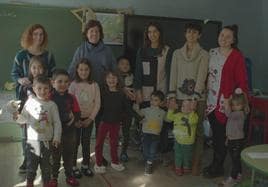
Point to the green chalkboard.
(64, 33)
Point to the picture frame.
(113, 27)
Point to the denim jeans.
(150, 145)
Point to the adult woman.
(100, 56)
(227, 72)
(152, 64)
(187, 80)
(152, 73)
(94, 50)
(34, 41)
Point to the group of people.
(169, 89)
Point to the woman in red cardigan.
(227, 72)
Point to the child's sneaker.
(187, 170)
(124, 157)
(29, 184)
(76, 173)
(53, 183)
(229, 182)
(22, 168)
(86, 171)
(46, 184)
(104, 162)
(148, 168)
(118, 167)
(178, 171)
(99, 169)
(72, 181)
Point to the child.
(123, 66)
(36, 68)
(113, 105)
(43, 126)
(235, 134)
(151, 128)
(69, 115)
(87, 93)
(185, 123)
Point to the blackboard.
(173, 29)
(64, 33)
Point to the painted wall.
(248, 14)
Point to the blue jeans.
(150, 145)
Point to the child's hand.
(24, 81)
(139, 97)
(130, 93)
(193, 105)
(15, 115)
(55, 143)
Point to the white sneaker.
(118, 167)
(99, 169)
(229, 182)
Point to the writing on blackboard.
(7, 14)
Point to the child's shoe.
(124, 157)
(148, 168)
(104, 162)
(46, 184)
(187, 170)
(229, 182)
(86, 171)
(22, 168)
(72, 181)
(29, 183)
(179, 171)
(53, 183)
(118, 167)
(76, 173)
(99, 169)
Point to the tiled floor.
(11, 157)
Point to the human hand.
(226, 105)
(15, 115)
(139, 97)
(55, 143)
(24, 81)
(86, 122)
(193, 105)
(130, 93)
(78, 124)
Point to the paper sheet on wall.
(258, 155)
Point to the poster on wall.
(113, 27)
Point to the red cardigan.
(234, 75)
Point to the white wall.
(248, 14)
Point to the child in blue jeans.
(151, 128)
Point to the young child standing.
(151, 128)
(185, 124)
(36, 68)
(123, 66)
(87, 93)
(113, 105)
(235, 134)
(43, 128)
(69, 115)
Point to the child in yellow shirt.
(185, 123)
